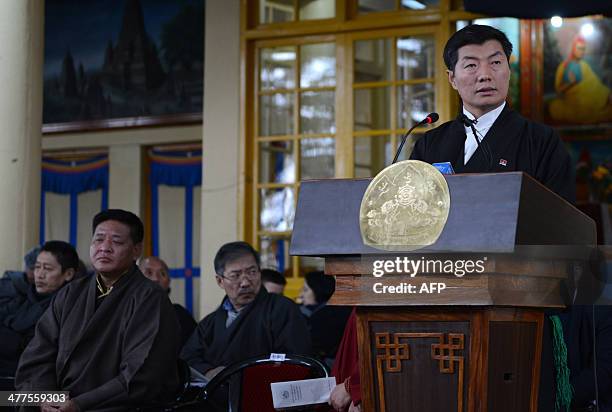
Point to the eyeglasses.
(251, 273)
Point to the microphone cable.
(485, 146)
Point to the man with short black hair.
(273, 281)
(487, 135)
(55, 264)
(250, 321)
(109, 338)
(14, 282)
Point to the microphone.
(431, 118)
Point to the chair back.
(256, 395)
(256, 375)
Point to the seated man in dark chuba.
(249, 322)
(110, 340)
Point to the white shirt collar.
(482, 126)
(487, 119)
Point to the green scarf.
(564, 390)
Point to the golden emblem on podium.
(405, 207)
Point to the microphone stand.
(404, 137)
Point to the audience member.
(157, 270)
(346, 395)
(249, 322)
(29, 261)
(55, 265)
(316, 291)
(325, 322)
(273, 281)
(15, 282)
(110, 340)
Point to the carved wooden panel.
(510, 369)
(424, 359)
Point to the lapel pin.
(503, 162)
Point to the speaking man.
(487, 135)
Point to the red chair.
(245, 386)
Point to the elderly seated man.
(249, 322)
(157, 270)
(109, 340)
(55, 264)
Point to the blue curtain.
(178, 169)
(71, 178)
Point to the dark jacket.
(270, 324)
(20, 308)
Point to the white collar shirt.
(482, 126)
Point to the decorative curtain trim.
(179, 169)
(71, 178)
(65, 177)
(176, 168)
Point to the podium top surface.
(491, 213)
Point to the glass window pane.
(414, 103)
(317, 9)
(276, 162)
(368, 6)
(372, 60)
(372, 154)
(419, 4)
(276, 114)
(372, 109)
(317, 158)
(274, 253)
(275, 11)
(277, 68)
(318, 65)
(317, 112)
(415, 58)
(277, 209)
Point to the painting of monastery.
(109, 59)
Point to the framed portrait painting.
(577, 74)
(122, 63)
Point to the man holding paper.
(249, 322)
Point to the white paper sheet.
(299, 393)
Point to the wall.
(124, 150)
(221, 148)
(126, 191)
(220, 222)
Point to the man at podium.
(487, 135)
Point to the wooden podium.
(476, 345)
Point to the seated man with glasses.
(250, 321)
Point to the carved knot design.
(445, 352)
(394, 353)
